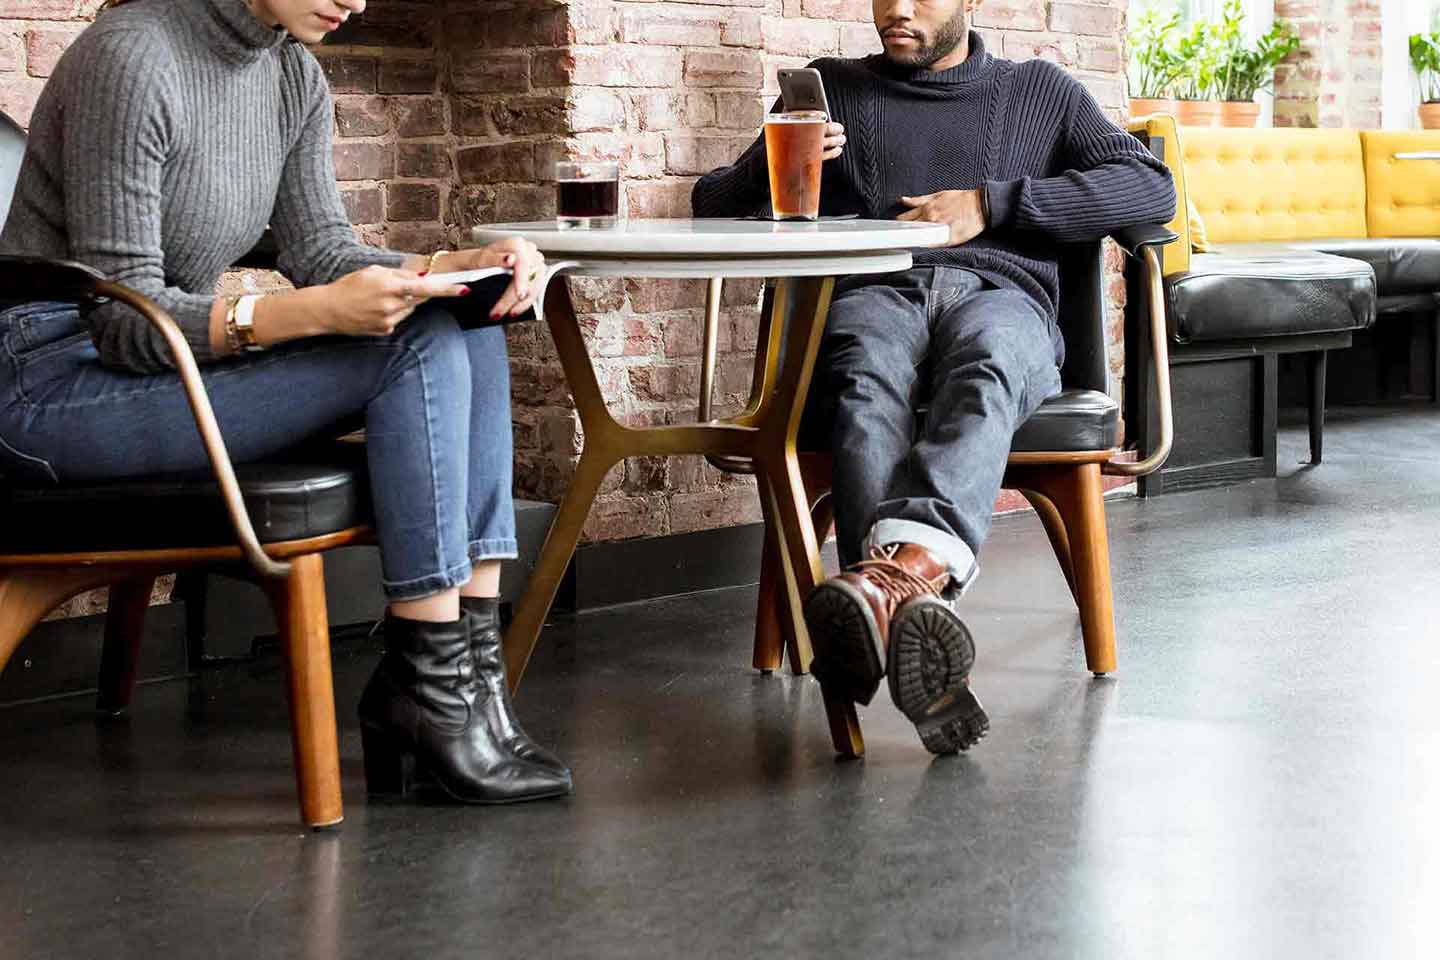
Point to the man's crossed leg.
(913, 503)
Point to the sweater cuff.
(1002, 197)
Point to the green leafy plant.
(1425, 58)
(1246, 70)
(1155, 67)
(1201, 50)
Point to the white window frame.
(1400, 93)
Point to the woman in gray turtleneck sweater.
(170, 135)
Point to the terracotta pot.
(1145, 106)
(1198, 113)
(1239, 113)
(1430, 116)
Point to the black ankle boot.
(428, 710)
(483, 616)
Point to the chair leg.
(299, 603)
(124, 629)
(1079, 498)
(26, 596)
(769, 638)
(1059, 539)
(1317, 404)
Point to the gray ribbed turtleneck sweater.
(170, 134)
(1028, 134)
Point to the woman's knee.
(432, 339)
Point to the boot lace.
(893, 580)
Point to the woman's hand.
(373, 301)
(521, 257)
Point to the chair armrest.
(1134, 239)
(32, 278)
(1148, 249)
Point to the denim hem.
(956, 553)
(427, 586)
(503, 548)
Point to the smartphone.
(803, 89)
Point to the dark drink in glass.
(587, 195)
(794, 143)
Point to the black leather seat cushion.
(1074, 420)
(1267, 290)
(1402, 264)
(293, 497)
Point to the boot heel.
(389, 770)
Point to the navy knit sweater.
(1052, 165)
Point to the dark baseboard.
(62, 657)
(630, 571)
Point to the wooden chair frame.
(1064, 487)
(292, 572)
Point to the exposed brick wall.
(451, 112)
(1335, 79)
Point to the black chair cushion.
(1402, 264)
(1267, 290)
(292, 497)
(1074, 420)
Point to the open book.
(487, 286)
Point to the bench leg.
(124, 629)
(1316, 373)
(299, 603)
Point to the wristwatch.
(240, 325)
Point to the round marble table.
(805, 259)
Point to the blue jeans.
(979, 357)
(434, 400)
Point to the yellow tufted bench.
(1311, 234)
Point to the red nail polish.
(464, 291)
(509, 259)
(423, 273)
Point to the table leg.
(783, 487)
(603, 449)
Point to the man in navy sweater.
(1013, 157)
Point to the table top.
(728, 239)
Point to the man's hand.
(834, 143)
(960, 210)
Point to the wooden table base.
(764, 433)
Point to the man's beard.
(928, 51)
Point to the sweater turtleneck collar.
(231, 30)
(975, 67)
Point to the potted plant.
(1425, 59)
(1154, 67)
(1244, 70)
(1200, 50)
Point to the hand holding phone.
(803, 89)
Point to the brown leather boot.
(886, 615)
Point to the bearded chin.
(947, 38)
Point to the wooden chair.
(58, 541)
(1057, 460)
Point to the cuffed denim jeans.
(981, 358)
(434, 400)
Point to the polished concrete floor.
(1260, 779)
